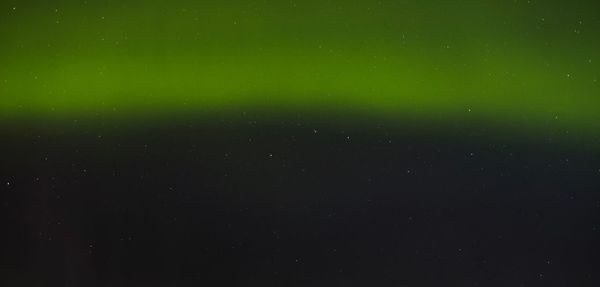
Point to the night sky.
(299, 143)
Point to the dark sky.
(295, 202)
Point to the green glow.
(522, 63)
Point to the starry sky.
(299, 143)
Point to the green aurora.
(531, 65)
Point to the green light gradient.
(529, 64)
